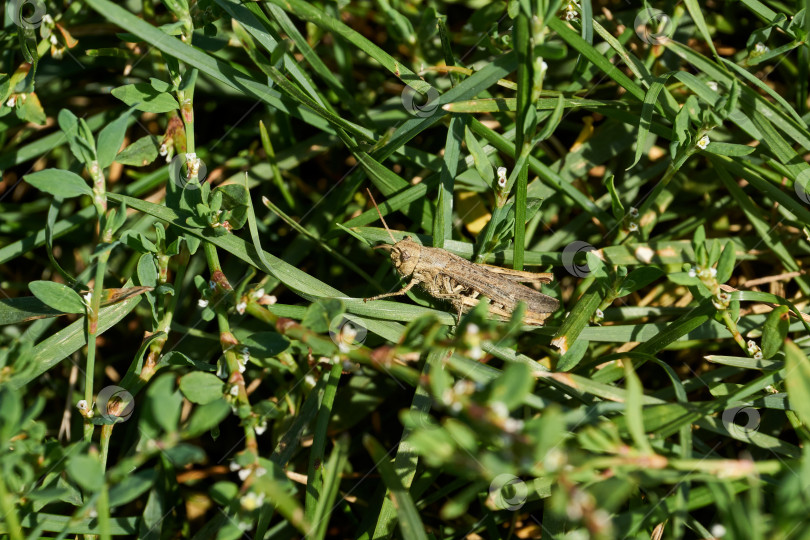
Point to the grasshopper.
(448, 277)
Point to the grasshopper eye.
(405, 256)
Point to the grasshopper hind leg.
(401, 292)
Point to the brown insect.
(448, 277)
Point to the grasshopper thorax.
(405, 255)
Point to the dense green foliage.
(186, 241)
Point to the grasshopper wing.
(502, 289)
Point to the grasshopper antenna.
(394, 240)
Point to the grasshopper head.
(405, 255)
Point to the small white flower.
(713, 272)
(512, 425)
(692, 272)
(234, 390)
(348, 333)
(500, 409)
(261, 428)
(244, 356)
(193, 163)
(241, 307)
(712, 85)
(53, 40)
(600, 314)
(243, 474)
(202, 302)
(251, 501)
(758, 355)
(633, 212)
(88, 297)
(632, 226)
(463, 386)
(502, 177)
(257, 294)
(472, 328)
(761, 48)
(11, 101)
(234, 466)
(163, 149)
(82, 405)
(475, 353)
(718, 531)
(554, 460)
(47, 20)
(259, 472)
(222, 373)
(703, 142)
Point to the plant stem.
(105, 236)
(523, 46)
(9, 512)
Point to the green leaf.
(131, 487)
(86, 471)
(206, 417)
(12, 408)
(143, 97)
(59, 182)
(480, 159)
(645, 120)
(58, 296)
(512, 387)
(75, 130)
(729, 149)
(725, 266)
(798, 383)
(201, 388)
(266, 344)
(775, 331)
(615, 201)
(163, 406)
(410, 524)
(140, 153)
(111, 138)
(634, 408)
(29, 109)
